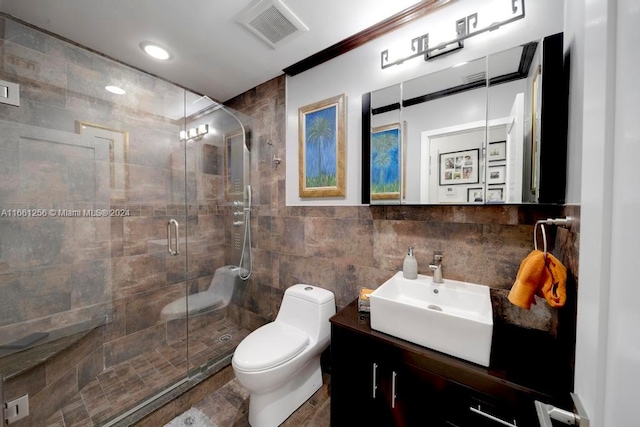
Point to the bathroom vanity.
(380, 380)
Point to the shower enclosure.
(112, 206)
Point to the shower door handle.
(173, 224)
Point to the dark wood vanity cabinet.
(369, 387)
(379, 380)
(354, 401)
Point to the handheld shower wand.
(247, 198)
(246, 241)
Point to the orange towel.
(537, 277)
(528, 280)
(554, 287)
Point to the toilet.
(223, 283)
(279, 363)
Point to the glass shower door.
(144, 347)
(113, 210)
(89, 181)
(217, 173)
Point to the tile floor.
(229, 407)
(126, 384)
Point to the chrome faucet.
(436, 267)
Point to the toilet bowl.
(224, 281)
(279, 363)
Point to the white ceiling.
(212, 53)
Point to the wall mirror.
(487, 131)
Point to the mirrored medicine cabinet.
(488, 131)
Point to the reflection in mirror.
(484, 131)
(508, 158)
(446, 120)
(386, 139)
(527, 92)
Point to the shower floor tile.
(123, 386)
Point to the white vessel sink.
(452, 317)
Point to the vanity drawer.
(471, 408)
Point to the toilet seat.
(268, 346)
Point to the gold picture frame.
(321, 148)
(118, 156)
(535, 131)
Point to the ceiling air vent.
(272, 22)
(475, 77)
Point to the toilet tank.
(308, 308)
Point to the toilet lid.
(269, 346)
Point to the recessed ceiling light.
(115, 89)
(155, 51)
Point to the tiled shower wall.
(346, 248)
(55, 272)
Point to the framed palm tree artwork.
(385, 162)
(321, 148)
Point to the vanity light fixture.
(506, 12)
(155, 51)
(194, 133)
(115, 90)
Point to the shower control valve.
(238, 203)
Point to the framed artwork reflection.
(233, 166)
(459, 167)
(495, 195)
(385, 162)
(497, 151)
(475, 195)
(535, 127)
(118, 141)
(496, 174)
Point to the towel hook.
(560, 222)
(544, 237)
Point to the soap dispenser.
(410, 266)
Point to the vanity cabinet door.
(359, 392)
(420, 397)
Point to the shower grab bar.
(177, 237)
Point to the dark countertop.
(527, 360)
